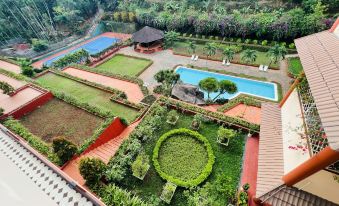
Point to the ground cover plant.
(86, 94)
(294, 66)
(57, 118)
(227, 160)
(124, 65)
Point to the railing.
(316, 135)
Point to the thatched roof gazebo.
(188, 93)
(148, 40)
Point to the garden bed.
(57, 118)
(295, 67)
(124, 65)
(86, 94)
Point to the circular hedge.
(184, 166)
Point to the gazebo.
(148, 40)
(188, 93)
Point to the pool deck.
(167, 60)
(10, 67)
(123, 37)
(132, 90)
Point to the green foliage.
(26, 68)
(228, 53)
(243, 198)
(172, 117)
(264, 43)
(141, 165)
(249, 56)
(291, 46)
(246, 187)
(91, 169)
(64, 149)
(240, 99)
(295, 67)
(6, 88)
(39, 45)
(170, 38)
(197, 121)
(225, 135)
(209, 85)
(167, 78)
(210, 49)
(277, 53)
(192, 47)
(168, 192)
(226, 86)
(186, 173)
(1, 111)
(76, 57)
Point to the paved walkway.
(11, 81)
(103, 152)
(249, 113)
(166, 60)
(10, 67)
(132, 90)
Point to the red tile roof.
(319, 55)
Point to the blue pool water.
(260, 89)
(92, 47)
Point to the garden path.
(132, 90)
(10, 67)
(103, 152)
(167, 60)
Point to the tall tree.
(249, 56)
(276, 53)
(209, 85)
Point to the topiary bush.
(6, 88)
(140, 166)
(225, 135)
(168, 192)
(64, 149)
(175, 165)
(92, 169)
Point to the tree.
(170, 38)
(39, 45)
(192, 47)
(167, 78)
(249, 56)
(228, 54)
(26, 68)
(91, 169)
(226, 86)
(210, 49)
(225, 135)
(209, 85)
(276, 53)
(6, 88)
(64, 149)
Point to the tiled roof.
(291, 196)
(48, 179)
(319, 55)
(271, 161)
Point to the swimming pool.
(92, 47)
(266, 90)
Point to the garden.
(294, 66)
(175, 158)
(124, 65)
(86, 94)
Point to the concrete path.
(132, 90)
(166, 60)
(10, 67)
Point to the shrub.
(247, 41)
(239, 40)
(116, 16)
(203, 36)
(243, 199)
(255, 41)
(91, 169)
(291, 46)
(131, 17)
(184, 34)
(39, 45)
(168, 192)
(202, 175)
(113, 195)
(225, 135)
(124, 16)
(283, 44)
(172, 117)
(196, 122)
(246, 187)
(64, 149)
(264, 43)
(1, 111)
(6, 88)
(236, 48)
(140, 166)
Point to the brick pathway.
(10, 67)
(166, 60)
(103, 152)
(132, 90)
(249, 113)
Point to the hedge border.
(205, 172)
(8, 60)
(13, 75)
(244, 99)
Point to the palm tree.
(249, 56)
(228, 54)
(276, 53)
(226, 86)
(210, 50)
(192, 47)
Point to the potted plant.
(242, 198)
(172, 117)
(246, 187)
(196, 122)
(140, 166)
(168, 192)
(225, 135)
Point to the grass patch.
(86, 94)
(124, 65)
(295, 67)
(74, 124)
(228, 161)
(182, 48)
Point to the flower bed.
(180, 157)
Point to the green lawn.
(294, 66)
(124, 65)
(228, 161)
(182, 48)
(88, 94)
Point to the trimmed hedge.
(240, 99)
(205, 172)
(9, 60)
(13, 75)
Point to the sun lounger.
(261, 67)
(265, 68)
(192, 58)
(228, 63)
(196, 58)
(223, 62)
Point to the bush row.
(34, 141)
(13, 75)
(205, 172)
(216, 115)
(9, 60)
(240, 99)
(116, 76)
